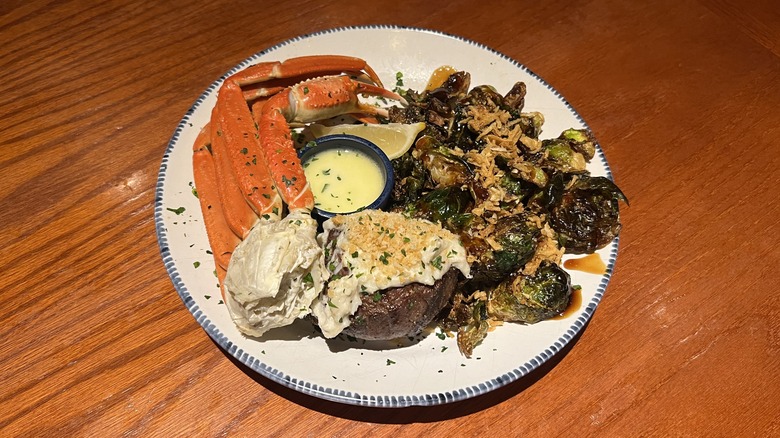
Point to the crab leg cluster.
(245, 165)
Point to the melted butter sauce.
(343, 180)
(591, 263)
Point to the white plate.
(428, 370)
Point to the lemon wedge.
(393, 138)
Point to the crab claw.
(322, 98)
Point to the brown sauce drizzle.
(591, 264)
(574, 305)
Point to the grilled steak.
(401, 311)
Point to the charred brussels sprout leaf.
(515, 98)
(468, 316)
(586, 216)
(471, 334)
(410, 179)
(518, 239)
(515, 186)
(530, 299)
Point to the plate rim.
(337, 395)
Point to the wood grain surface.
(682, 95)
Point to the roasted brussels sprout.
(518, 239)
(562, 157)
(531, 123)
(530, 299)
(444, 168)
(580, 140)
(586, 215)
(485, 95)
(454, 88)
(522, 171)
(448, 206)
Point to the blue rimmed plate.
(427, 370)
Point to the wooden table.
(683, 97)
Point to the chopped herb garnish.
(178, 211)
